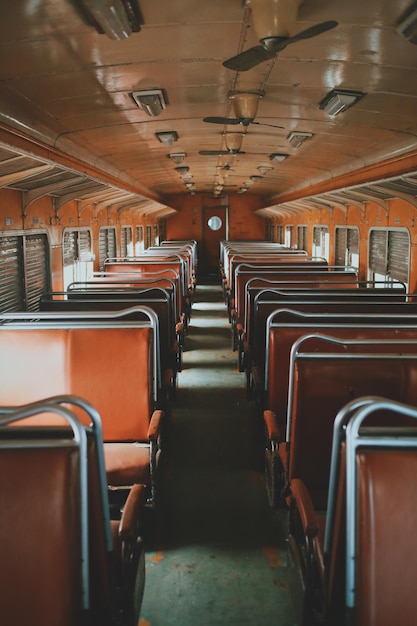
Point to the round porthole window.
(214, 223)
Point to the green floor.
(216, 554)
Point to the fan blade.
(221, 120)
(265, 124)
(258, 54)
(248, 59)
(219, 152)
(313, 31)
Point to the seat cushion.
(127, 463)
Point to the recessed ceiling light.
(339, 100)
(277, 158)
(167, 137)
(151, 101)
(177, 157)
(296, 138)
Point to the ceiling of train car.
(70, 88)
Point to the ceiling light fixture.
(276, 157)
(245, 104)
(339, 100)
(273, 19)
(182, 169)
(255, 178)
(296, 138)
(177, 157)
(407, 25)
(116, 18)
(151, 101)
(233, 141)
(167, 137)
(264, 169)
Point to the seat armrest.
(305, 507)
(155, 425)
(128, 526)
(271, 426)
(239, 328)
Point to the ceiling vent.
(407, 26)
(297, 138)
(118, 19)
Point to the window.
(24, 271)
(321, 242)
(215, 222)
(347, 247)
(78, 255)
(107, 245)
(126, 242)
(279, 237)
(389, 256)
(139, 240)
(148, 240)
(162, 230)
(289, 236)
(269, 230)
(155, 236)
(302, 238)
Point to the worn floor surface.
(216, 554)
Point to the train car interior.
(208, 335)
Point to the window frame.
(29, 274)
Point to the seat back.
(309, 277)
(54, 529)
(371, 523)
(316, 310)
(282, 336)
(144, 267)
(158, 299)
(325, 374)
(381, 488)
(112, 366)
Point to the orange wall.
(398, 214)
(187, 223)
(40, 217)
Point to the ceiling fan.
(245, 106)
(273, 21)
(220, 152)
(226, 168)
(233, 143)
(234, 121)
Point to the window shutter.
(341, 245)
(317, 236)
(353, 240)
(398, 255)
(302, 238)
(111, 243)
(106, 245)
(36, 269)
(11, 288)
(126, 241)
(84, 245)
(70, 247)
(378, 252)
